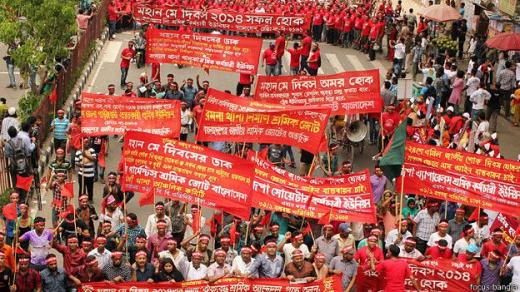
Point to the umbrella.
(440, 13)
(506, 41)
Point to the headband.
(101, 239)
(220, 252)
(372, 238)
(319, 256)
(444, 224)
(159, 206)
(117, 254)
(83, 197)
(60, 151)
(72, 240)
(275, 227)
(271, 244)
(375, 231)
(1, 237)
(23, 206)
(141, 254)
(299, 236)
(258, 228)
(198, 255)
(328, 226)
(347, 249)
(460, 211)
(225, 239)
(51, 260)
(24, 261)
(296, 253)
(246, 250)
(93, 262)
(86, 243)
(39, 223)
(204, 238)
(107, 224)
(499, 233)
(161, 225)
(493, 255)
(410, 241)
(171, 241)
(140, 240)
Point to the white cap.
(494, 136)
(11, 111)
(450, 109)
(440, 109)
(465, 115)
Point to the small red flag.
(101, 155)
(10, 211)
(53, 96)
(325, 219)
(67, 211)
(68, 190)
(147, 198)
(233, 232)
(307, 229)
(24, 182)
(266, 220)
(206, 69)
(195, 223)
(474, 215)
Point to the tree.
(38, 32)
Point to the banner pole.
(243, 149)
(74, 213)
(401, 195)
(312, 166)
(382, 134)
(248, 229)
(82, 167)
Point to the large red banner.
(349, 92)
(209, 51)
(329, 284)
(231, 118)
(217, 19)
(348, 198)
(507, 224)
(463, 177)
(443, 275)
(113, 115)
(187, 172)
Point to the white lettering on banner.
(143, 170)
(172, 176)
(221, 163)
(266, 288)
(358, 105)
(229, 193)
(136, 144)
(361, 80)
(219, 131)
(295, 197)
(258, 186)
(306, 84)
(154, 147)
(336, 83)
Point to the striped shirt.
(61, 126)
(85, 169)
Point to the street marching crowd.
(438, 212)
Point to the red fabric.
(67, 211)
(317, 19)
(474, 215)
(232, 233)
(456, 125)
(24, 182)
(269, 57)
(366, 29)
(365, 279)
(156, 72)
(266, 219)
(313, 61)
(279, 46)
(112, 14)
(295, 57)
(53, 96)
(102, 152)
(68, 190)
(307, 229)
(306, 46)
(325, 219)
(10, 211)
(129, 53)
(195, 225)
(435, 252)
(490, 246)
(245, 79)
(147, 198)
(476, 266)
(394, 271)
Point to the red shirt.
(112, 14)
(394, 271)
(358, 24)
(295, 57)
(269, 57)
(435, 252)
(317, 19)
(366, 28)
(127, 52)
(347, 27)
(72, 262)
(490, 246)
(338, 22)
(279, 46)
(245, 79)
(313, 60)
(306, 46)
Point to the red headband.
(410, 241)
(141, 254)
(299, 236)
(220, 252)
(297, 252)
(204, 238)
(271, 244)
(460, 211)
(161, 225)
(198, 255)
(86, 243)
(117, 254)
(72, 240)
(107, 224)
(246, 250)
(347, 249)
(83, 197)
(24, 261)
(101, 240)
(225, 239)
(372, 238)
(275, 227)
(171, 241)
(51, 260)
(444, 224)
(375, 231)
(93, 262)
(319, 256)
(328, 226)
(493, 255)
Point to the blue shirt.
(60, 128)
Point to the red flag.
(325, 219)
(10, 211)
(24, 182)
(101, 155)
(206, 69)
(307, 229)
(68, 190)
(195, 223)
(474, 215)
(266, 220)
(67, 211)
(147, 198)
(53, 96)
(232, 233)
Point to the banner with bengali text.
(462, 177)
(222, 20)
(235, 119)
(443, 275)
(349, 198)
(113, 115)
(507, 224)
(328, 284)
(187, 172)
(350, 92)
(208, 51)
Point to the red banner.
(463, 177)
(507, 224)
(348, 198)
(113, 115)
(187, 172)
(230, 118)
(443, 275)
(329, 284)
(208, 51)
(220, 20)
(349, 92)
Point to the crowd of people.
(455, 108)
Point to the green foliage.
(28, 104)
(4, 197)
(41, 30)
(445, 43)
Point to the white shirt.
(472, 84)
(102, 258)
(115, 219)
(481, 233)
(288, 248)
(435, 237)
(151, 224)
(392, 237)
(514, 266)
(241, 266)
(461, 245)
(483, 127)
(400, 51)
(196, 274)
(479, 97)
(177, 259)
(189, 230)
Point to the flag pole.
(243, 149)
(248, 229)
(401, 195)
(382, 134)
(312, 166)
(74, 213)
